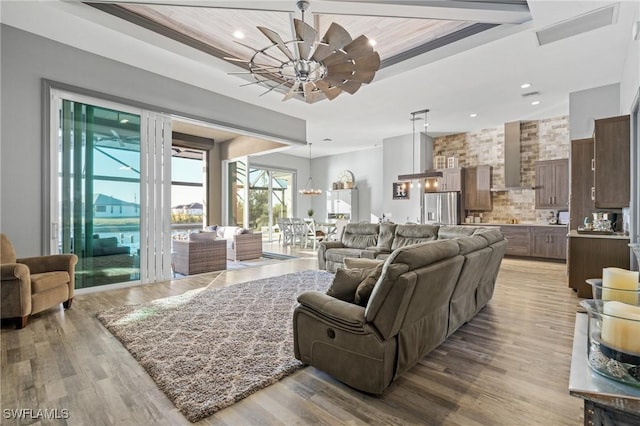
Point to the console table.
(606, 402)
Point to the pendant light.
(308, 188)
(426, 174)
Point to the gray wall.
(398, 156)
(630, 82)
(590, 104)
(26, 59)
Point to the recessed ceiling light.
(474, 115)
(535, 102)
(238, 34)
(525, 85)
(372, 42)
(327, 140)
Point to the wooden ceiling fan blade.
(364, 76)
(292, 92)
(340, 75)
(341, 67)
(275, 38)
(368, 63)
(336, 36)
(350, 86)
(330, 91)
(358, 47)
(335, 58)
(306, 36)
(334, 39)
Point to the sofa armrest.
(54, 262)
(12, 271)
(336, 311)
(322, 249)
(15, 288)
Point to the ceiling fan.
(312, 69)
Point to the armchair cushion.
(363, 292)
(343, 313)
(48, 280)
(346, 282)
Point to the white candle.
(620, 279)
(621, 327)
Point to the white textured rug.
(208, 348)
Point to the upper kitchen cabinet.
(612, 166)
(581, 201)
(477, 188)
(552, 184)
(451, 181)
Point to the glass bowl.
(614, 333)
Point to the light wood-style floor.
(508, 366)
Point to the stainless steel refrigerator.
(442, 208)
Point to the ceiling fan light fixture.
(313, 69)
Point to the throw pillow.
(346, 282)
(365, 288)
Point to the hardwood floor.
(508, 366)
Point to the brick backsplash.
(540, 140)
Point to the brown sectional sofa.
(377, 241)
(425, 292)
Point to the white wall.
(630, 82)
(26, 59)
(587, 105)
(366, 166)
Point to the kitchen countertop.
(574, 234)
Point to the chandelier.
(308, 188)
(312, 69)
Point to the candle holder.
(614, 333)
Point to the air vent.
(529, 94)
(581, 24)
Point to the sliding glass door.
(270, 198)
(108, 169)
(258, 196)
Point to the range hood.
(512, 166)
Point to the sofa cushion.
(406, 235)
(455, 231)
(346, 282)
(365, 288)
(48, 280)
(360, 235)
(419, 255)
(200, 236)
(338, 254)
(386, 235)
(470, 244)
(492, 235)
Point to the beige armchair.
(31, 285)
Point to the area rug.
(209, 348)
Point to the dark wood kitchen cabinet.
(518, 239)
(589, 255)
(451, 180)
(552, 184)
(549, 242)
(581, 201)
(612, 166)
(477, 188)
